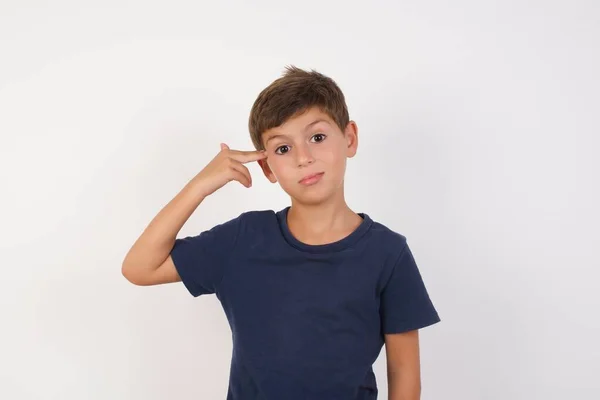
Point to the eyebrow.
(307, 127)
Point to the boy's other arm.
(148, 262)
(403, 365)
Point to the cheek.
(332, 154)
(278, 166)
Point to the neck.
(322, 223)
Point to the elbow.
(129, 273)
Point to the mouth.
(311, 179)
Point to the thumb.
(224, 146)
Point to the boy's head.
(301, 120)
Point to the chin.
(311, 198)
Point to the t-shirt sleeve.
(201, 260)
(405, 302)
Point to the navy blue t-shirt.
(307, 321)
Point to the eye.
(282, 149)
(319, 137)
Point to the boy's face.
(307, 155)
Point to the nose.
(303, 156)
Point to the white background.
(478, 126)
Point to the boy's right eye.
(282, 149)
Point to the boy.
(313, 291)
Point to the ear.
(351, 135)
(264, 165)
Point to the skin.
(308, 143)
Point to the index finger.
(247, 156)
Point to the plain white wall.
(479, 130)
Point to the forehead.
(299, 123)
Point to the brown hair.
(292, 94)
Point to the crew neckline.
(339, 245)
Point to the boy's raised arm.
(148, 262)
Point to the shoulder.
(257, 218)
(247, 222)
(256, 229)
(256, 222)
(387, 238)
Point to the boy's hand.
(226, 167)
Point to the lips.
(311, 179)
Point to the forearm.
(154, 245)
(403, 386)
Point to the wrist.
(199, 187)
